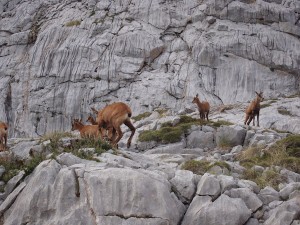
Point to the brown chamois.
(86, 131)
(114, 115)
(203, 107)
(253, 109)
(3, 135)
(107, 133)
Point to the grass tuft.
(73, 23)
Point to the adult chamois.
(253, 110)
(113, 116)
(203, 107)
(3, 134)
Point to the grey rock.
(249, 184)
(231, 135)
(13, 182)
(145, 55)
(227, 182)
(288, 189)
(184, 185)
(200, 139)
(268, 194)
(290, 175)
(2, 170)
(236, 149)
(207, 212)
(250, 199)
(252, 221)
(284, 214)
(67, 194)
(21, 150)
(209, 185)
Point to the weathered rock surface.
(58, 58)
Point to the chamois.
(203, 107)
(114, 115)
(107, 132)
(89, 131)
(253, 109)
(3, 134)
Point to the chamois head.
(76, 123)
(195, 99)
(259, 96)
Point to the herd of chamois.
(109, 120)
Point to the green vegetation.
(265, 105)
(225, 143)
(284, 112)
(73, 23)
(170, 134)
(284, 153)
(55, 146)
(161, 112)
(268, 178)
(201, 167)
(13, 167)
(141, 116)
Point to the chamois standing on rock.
(106, 133)
(3, 135)
(111, 117)
(253, 109)
(86, 131)
(203, 107)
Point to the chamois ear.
(197, 95)
(256, 93)
(94, 110)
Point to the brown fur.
(106, 133)
(86, 131)
(203, 107)
(114, 115)
(3, 134)
(253, 110)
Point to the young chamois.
(112, 117)
(3, 135)
(253, 109)
(203, 107)
(107, 132)
(86, 131)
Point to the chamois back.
(114, 115)
(86, 131)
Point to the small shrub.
(284, 112)
(168, 133)
(220, 123)
(284, 153)
(268, 178)
(197, 167)
(224, 143)
(265, 105)
(141, 116)
(73, 23)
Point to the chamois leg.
(119, 136)
(253, 119)
(250, 119)
(207, 115)
(132, 128)
(246, 119)
(257, 116)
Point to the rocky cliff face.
(59, 58)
